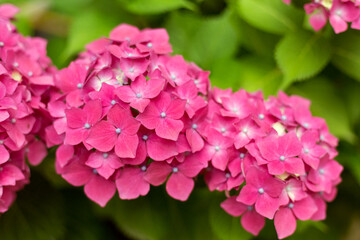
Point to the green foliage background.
(251, 44)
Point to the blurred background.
(252, 44)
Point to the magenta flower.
(104, 163)
(250, 219)
(81, 121)
(180, 184)
(236, 105)
(140, 92)
(216, 149)
(96, 187)
(248, 130)
(163, 115)
(119, 130)
(263, 190)
(311, 152)
(281, 154)
(285, 217)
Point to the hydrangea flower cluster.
(128, 116)
(272, 158)
(338, 12)
(25, 82)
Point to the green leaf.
(37, 213)
(326, 103)
(87, 26)
(203, 41)
(346, 56)
(270, 15)
(225, 226)
(301, 55)
(254, 40)
(251, 73)
(142, 218)
(156, 6)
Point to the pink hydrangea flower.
(26, 82)
(137, 107)
(282, 153)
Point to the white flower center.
(87, 126)
(163, 114)
(118, 130)
(261, 190)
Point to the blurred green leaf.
(270, 15)
(225, 226)
(87, 26)
(346, 56)
(156, 6)
(142, 218)
(37, 213)
(254, 40)
(326, 103)
(203, 41)
(251, 73)
(301, 55)
(70, 6)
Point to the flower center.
(105, 155)
(143, 168)
(242, 155)
(145, 137)
(227, 175)
(30, 74)
(113, 102)
(173, 77)
(223, 129)
(321, 171)
(15, 64)
(175, 169)
(261, 190)
(138, 95)
(217, 148)
(306, 150)
(306, 125)
(118, 130)
(79, 85)
(149, 45)
(131, 70)
(282, 158)
(250, 208)
(194, 126)
(283, 117)
(196, 82)
(95, 171)
(261, 116)
(245, 130)
(87, 126)
(291, 205)
(13, 120)
(163, 114)
(1, 44)
(1, 142)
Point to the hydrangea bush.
(130, 114)
(26, 79)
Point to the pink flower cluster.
(281, 153)
(129, 116)
(338, 12)
(25, 81)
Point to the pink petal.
(179, 186)
(266, 205)
(126, 146)
(305, 208)
(75, 118)
(160, 149)
(252, 222)
(285, 223)
(338, 24)
(77, 174)
(75, 136)
(4, 154)
(100, 190)
(102, 136)
(36, 152)
(233, 207)
(157, 173)
(295, 166)
(248, 195)
(169, 129)
(131, 183)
